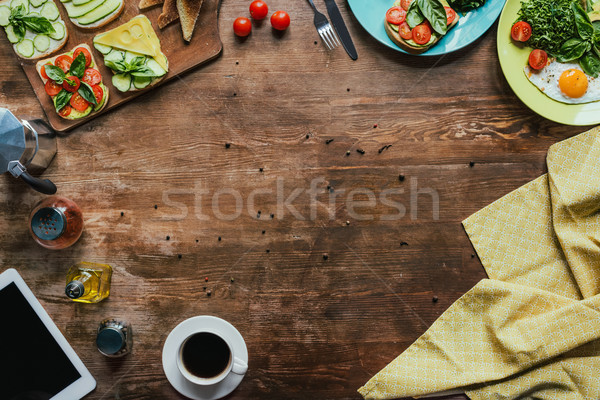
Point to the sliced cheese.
(136, 36)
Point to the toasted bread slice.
(149, 3)
(55, 44)
(97, 17)
(411, 47)
(169, 13)
(93, 64)
(188, 15)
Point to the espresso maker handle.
(41, 185)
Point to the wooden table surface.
(325, 293)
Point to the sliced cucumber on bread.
(92, 14)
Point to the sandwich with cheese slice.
(132, 51)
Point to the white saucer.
(171, 349)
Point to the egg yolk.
(573, 83)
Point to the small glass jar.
(114, 338)
(56, 222)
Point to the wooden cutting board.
(205, 45)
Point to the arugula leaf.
(62, 99)
(78, 65)
(572, 49)
(414, 16)
(582, 22)
(55, 73)
(87, 93)
(590, 63)
(434, 12)
(38, 24)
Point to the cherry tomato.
(91, 76)
(71, 84)
(99, 93)
(86, 53)
(538, 59)
(64, 62)
(450, 15)
(242, 26)
(395, 15)
(78, 102)
(258, 9)
(280, 20)
(521, 31)
(405, 4)
(43, 70)
(52, 88)
(65, 111)
(421, 34)
(405, 31)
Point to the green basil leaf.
(17, 13)
(434, 12)
(62, 99)
(414, 16)
(117, 66)
(38, 24)
(590, 63)
(55, 73)
(596, 50)
(143, 71)
(78, 65)
(582, 21)
(19, 30)
(87, 93)
(571, 50)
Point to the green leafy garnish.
(434, 12)
(135, 67)
(62, 99)
(87, 93)
(465, 5)
(55, 73)
(414, 16)
(78, 65)
(21, 22)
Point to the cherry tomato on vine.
(280, 20)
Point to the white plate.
(171, 349)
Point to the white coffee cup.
(206, 357)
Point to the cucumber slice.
(41, 43)
(140, 82)
(79, 11)
(50, 11)
(129, 56)
(25, 48)
(114, 56)
(11, 35)
(16, 3)
(102, 48)
(99, 13)
(4, 14)
(59, 30)
(80, 2)
(155, 67)
(122, 82)
(104, 97)
(37, 3)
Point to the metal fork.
(324, 29)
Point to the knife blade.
(340, 28)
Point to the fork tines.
(329, 37)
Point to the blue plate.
(371, 14)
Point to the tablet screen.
(32, 364)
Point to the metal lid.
(12, 139)
(48, 223)
(74, 289)
(110, 340)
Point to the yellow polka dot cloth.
(531, 331)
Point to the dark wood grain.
(204, 46)
(315, 328)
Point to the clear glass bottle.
(56, 222)
(114, 338)
(88, 282)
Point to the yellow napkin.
(531, 331)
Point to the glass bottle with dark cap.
(56, 222)
(88, 282)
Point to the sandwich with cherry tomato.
(416, 25)
(74, 83)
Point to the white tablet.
(36, 361)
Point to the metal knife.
(340, 28)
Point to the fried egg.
(565, 82)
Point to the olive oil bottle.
(88, 282)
